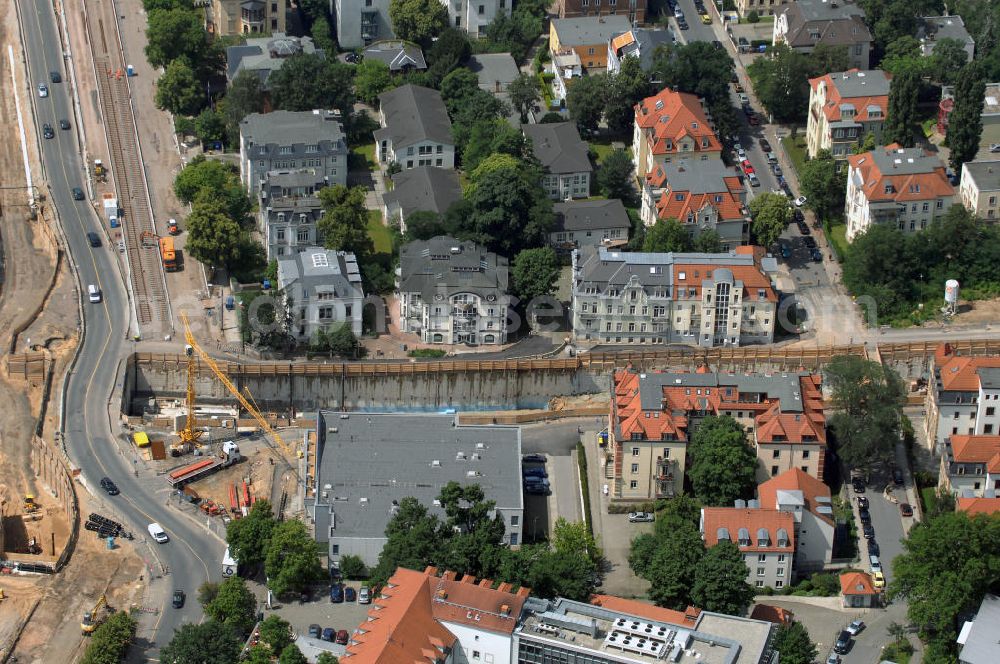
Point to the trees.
(291, 562)
(172, 34)
(707, 242)
(624, 90)
(720, 581)
(868, 398)
(822, 185)
(213, 237)
(110, 641)
(233, 605)
(792, 641)
(535, 272)
(344, 224)
(327, 658)
(948, 60)
(307, 81)
(412, 540)
(243, 98)
(178, 91)
(423, 225)
(509, 210)
(770, 213)
(585, 100)
(418, 20)
(666, 235)
(276, 632)
(352, 567)
(201, 174)
(523, 91)
(450, 50)
(517, 32)
(210, 126)
(965, 123)
(574, 536)
(722, 466)
(781, 82)
(947, 565)
(339, 340)
(902, 114)
(292, 655)
(698, 68)
(669, 563)
(615, 177)
(489, 137)
(196, 643)
(371, 78)
(248, 537)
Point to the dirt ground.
(980, 311)
(257, 470)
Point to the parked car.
(329, 634)
(786, 251)
(173, 228)
(875, 563)
(905, 509)
(537, 490)
(640, 517)
(869, 532)
(803, 228)
(534, 471)
(109, 487)
(858, 484)
(809, 241)
(816, 255)
(833, 658)
(754, 182)
(897, 477)
(178, 599)
(873, 549)
(855, 627)
(764, 145)
(865, 515)
(753, 119)
(744, 99)
(776, 169)
(797, 215)
(800, 201)
(878, 580)
(842, 643)
(738, 86)
(336, 593)
(315, 631)
(55, 77)
(862, 503)
(533, 458)
(349, 594)
(343, 637)
(364, 595)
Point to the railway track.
(145, 270)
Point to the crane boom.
(224, 379)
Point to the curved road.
(192, 556)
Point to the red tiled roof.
(795, 480)
(751, 276)
(905, 187)
(671, 116)
(958, 372)
(974, 449)
(725, 203)
(734, 518)
(687, 618)
(973, 506)
(632, 419)
(491, 609)
(834, 100)
(856, 583)
(773, 614)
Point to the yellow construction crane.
(90, 618)
(190, 434)
(224, 379)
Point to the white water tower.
(950, 295)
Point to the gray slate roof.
(293, 128)
(698, 177)
(989, 377)
(932, 29)
(388, 457)
(266, 54)
(870, 83)
(318, 270)
(414, 114)
(432, 268)
(426, 188)
(590, 30)
(646, 41)
(986, 174)
(835, 23)
(905, 161)
(981, 638)
(396, 53)
(493, 68)
(558, 147)
(590, 215)
(786, 386)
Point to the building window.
(635, 468)
(325, 313)
(513, 539)
(666, 452)
(781, 557)
(990, 411)
(514, 520)
(805, 454)
(776, 454)
(781, 571)
(633, 484)
(590, 51)
(635, 451)
(774, 471)
(475, 654)
(759, 584)
(779, 583)
(761, 571)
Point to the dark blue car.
(329, 634)
(349, 594)
(336, 593)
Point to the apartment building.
(701, 299)
(564, 156)
(671, 126)
(808, 500)
(593, 223)
(265, 55)
(638, 43)
(587, 37)
(371, 461)
(932, 29)
(653, 415)
(289, 140)
(361, 22)
(762, 7)
(415, 129)
(989, 138)
(227, 18)
(765, 537)
(452, 292)
(905, 187)
(612, 630)
(979, 189)
(806, 24)
(420, 189)
(397, 54)
(844, 107)
(289, 211)
(322, 290)
(633, 10)
(702, 196)
(963, 398)
(970, 465)
(474, 16)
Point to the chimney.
(449, 575)
(486, 583)
(504, 587)
(523, 591)
(468, 578)
(505, 609)
(442, 594)
(430, 570)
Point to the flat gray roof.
(905, 161)
(292, 127)
(932, 29)
(980, 646)
(986, 174)
(698, 177)
(590, 30)
(443, 266)
(785, 387)
(870, 83)
(369, 460)
(989, 377)
(590, 215)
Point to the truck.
(229, 564)
(111, 212)
(178, 477)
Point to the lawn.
(379, 233)
(796, 149)
(838, 237)
(363, 156)
(928, 495)
(603, 148)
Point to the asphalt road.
(192, 556)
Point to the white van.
(157, 533)
(94, 292)
(875, 563)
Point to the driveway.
(557, 440)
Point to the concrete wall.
(407, 389)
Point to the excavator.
(94, 617)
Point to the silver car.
(640, 517)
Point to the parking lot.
(320, 610)
(557, 441)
